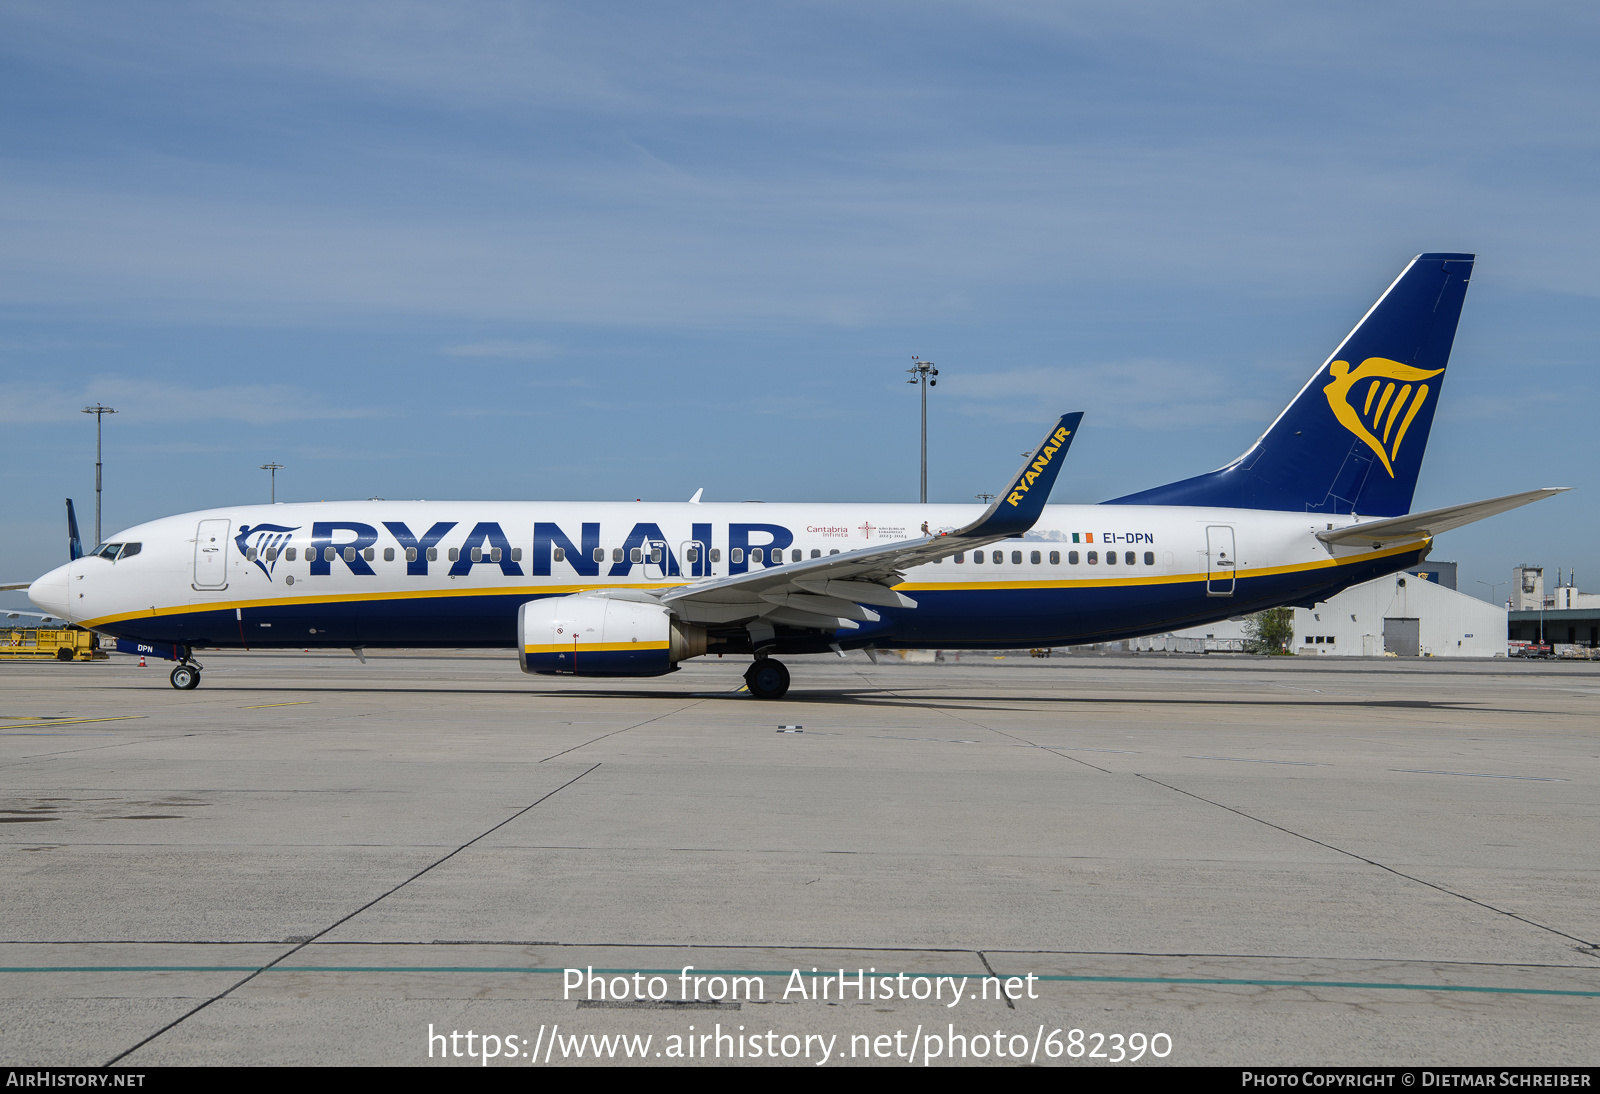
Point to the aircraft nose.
(51, 594)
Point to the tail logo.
(1373, 385)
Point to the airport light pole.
(274, 468)
(98, 411)
(1493, 585)
(923, 373)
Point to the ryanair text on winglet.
(1051, 447)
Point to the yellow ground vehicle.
(49, 644)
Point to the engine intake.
(600, 636)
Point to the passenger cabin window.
(1035, 558)
(328, 554)
(1072, 558)
(616, 554)
(559, 554)
(494, 554)
(959, 557)
(477, 554)
(1094, 557)
(977, 557)
(411, 554)
(1111, 558)
(388, 554)
(834, 551)
(815, 553)
(599, 554)
(433, 554)
(1130, 558)
(636, 555)
(755, 554)
(272, 554)
(289, 553)
(655, 556)
(369, 554)
(1055, 558)
(249, 554)
(1016, 558)
(998, 557)
(1149, 558)
(797, 554)
(737, 554)
(349, 554)
(516, 554)
(691, 555)
(716, 554)
(454, 555)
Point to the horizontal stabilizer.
(6, 588)
(1434, 521)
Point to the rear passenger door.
(1221, 561)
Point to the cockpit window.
(106, 551)
(130, 549)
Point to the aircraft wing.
(833, 592)
(1434, 521)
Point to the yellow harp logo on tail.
(1384, 414)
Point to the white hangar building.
(1409, 615)
(1402, 614)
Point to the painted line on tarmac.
(1475, 775)
(1243, 760)
(263, 706)
(1204, 981)
(69, 722)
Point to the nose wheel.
(767, 679)
(186, 677)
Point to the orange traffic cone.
(141, 661)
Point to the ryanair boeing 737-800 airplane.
(1317, 504)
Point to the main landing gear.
(767, 679)
(186, 677)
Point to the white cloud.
(519, 351)
(1140, 394)
(149, 402)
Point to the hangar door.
(1402, 636)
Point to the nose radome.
(50, 592)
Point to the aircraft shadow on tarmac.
(886, 697)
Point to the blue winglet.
(74, 543)
(1019, 505)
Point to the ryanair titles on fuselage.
(583, 548)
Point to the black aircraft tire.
(767, 679)
(185, 677)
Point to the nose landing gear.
(767, 679)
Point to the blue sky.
(569, 251)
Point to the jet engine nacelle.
(601, 636)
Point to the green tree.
(1271, 631)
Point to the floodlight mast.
(98, 411)
(274, 468)
(923, 373)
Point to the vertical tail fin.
(74, 544)
(1352, 439)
